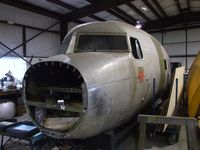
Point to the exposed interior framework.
(54, 95)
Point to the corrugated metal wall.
(181, 45)
(45, 45)
(178, 43)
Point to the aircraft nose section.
(66, 95)
(53, 95)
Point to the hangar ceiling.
(154, 15)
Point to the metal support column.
(2, 146)
(24, 40)
(63, 30)
(142, 130)
(186, 41)
(186, 48)
(162, 37)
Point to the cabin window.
(102, 43)
(165, 62)
(136, 48)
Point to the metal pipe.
(186, 48)
(162, 37)
(24, 41)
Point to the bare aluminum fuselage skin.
(113, 90)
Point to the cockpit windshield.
(65, 44)
(94, 43)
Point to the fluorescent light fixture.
(138, 25)
(143, 8)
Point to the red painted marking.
(141, 74)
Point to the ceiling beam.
(138, 11)
(96, 18)
(159, 7)
(175, 28)
(70, 7)
(183, 19)
(96, 6)
(118, 15)
(118, 10)
(63, 4)
(151, 8)
(33, 8)
(178, 5)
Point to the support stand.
(109, 140)
(190, 123)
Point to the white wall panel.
(30, 33)
(158, 36)
(17, 15)
(2, 50)
(45, 45)
(174, 36)
(11, 36)
(193, 48)
(175, 44)
(190, 61)
(193, 34)
(175, 49)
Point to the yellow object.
(193, 88)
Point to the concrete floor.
(157, 143)
(160, 143)
(130, 143)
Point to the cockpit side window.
(136, 48)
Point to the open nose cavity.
(54, 95)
